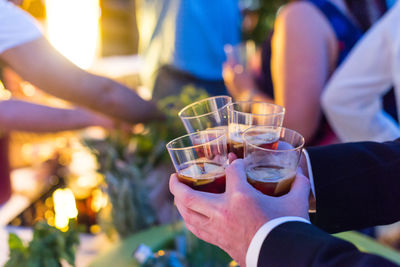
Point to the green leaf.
(15, 243)
(369, 245)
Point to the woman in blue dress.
(310, 40)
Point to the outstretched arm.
(18, 115)
(39, 63)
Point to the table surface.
(89, 249)
(90, 246)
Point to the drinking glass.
(240, 55)
(205, 114)
(271, 167)
(245, 114)
(200, 159)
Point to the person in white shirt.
(26, 51)
(352, 100)
(260, 230)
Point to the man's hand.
(230, 220)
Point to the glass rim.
(203, 100)
(169, 148)
(258, 102)
(299, 147)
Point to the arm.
(23, 116)
(39, 63)
(356, 185)
(352, 100)
(303, 55)
(309, 246)
(240, 79)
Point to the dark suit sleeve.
(357, 185)
(300, 244)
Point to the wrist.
(254, 248)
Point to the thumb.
(235, 176)
(300, 188)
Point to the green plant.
(265, 12)
(127, 159)
(48, 247)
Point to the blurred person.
(24, 49)
(310, 40)
(260, 230)
(182, 43)
(352, 100)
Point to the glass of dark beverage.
(206, 114)
(200, 159)
(245, 114)
(271, 166)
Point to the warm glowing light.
(83, 162)
(28, 89)
(64, 207)
(233, 264)
(4, 93)
(73, 29)
(95, 229)
(99, 200)
(161, 253)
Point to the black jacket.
(357, 185)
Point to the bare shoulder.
(302, 16)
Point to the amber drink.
(200, 159)
(203, 176)
(271, 166)
(270, 180)
(243, 115)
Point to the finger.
(300, 188)
(192, 217)
(201, 202)
(232, 157)
(235, 176)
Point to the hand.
(240, 84)
(230, 220)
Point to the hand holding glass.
(272, 169)
(200, 159)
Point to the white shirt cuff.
(310, 173)
(253, 251)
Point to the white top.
(352, 100)
(16, 26)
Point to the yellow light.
(161, 253)
(233, 264)
(28, 89)
(95, 229)
(64, 207)
(99, 200)
(4, 93)
(73, 29)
